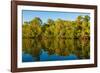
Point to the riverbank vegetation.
(59, 28)
(57, 38)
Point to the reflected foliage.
(59, 47)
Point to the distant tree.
(35, 27)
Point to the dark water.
(55, 49)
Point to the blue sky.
(28, 15)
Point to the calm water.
(55, 49)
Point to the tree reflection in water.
(55, 49)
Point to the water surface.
(55, 49)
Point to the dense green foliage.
(65, 29)
(60, 37)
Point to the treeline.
(79, 28)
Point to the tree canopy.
(66, 29)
